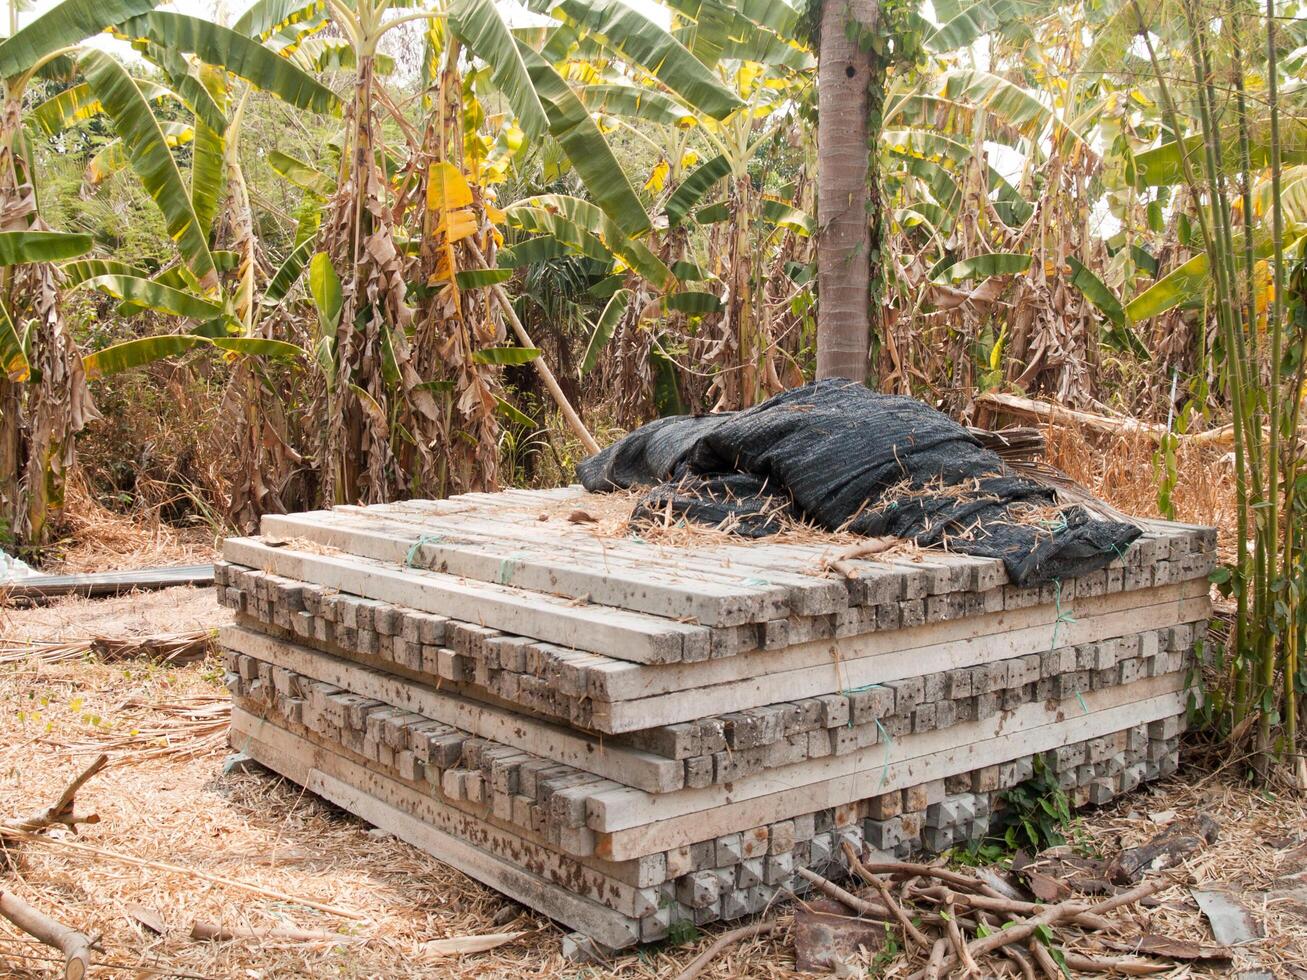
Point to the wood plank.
(339, 781)
(568, 746)
(625, 808)
(552, 568)
(34, 588)
(616, 633)
(964, 757)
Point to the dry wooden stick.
(75, 946)
(209, 932)
(936, 962)
(1047, 965)
(832, 890)
(991, 904)
(1111, 964)
(1059, 913)
(965, 882)
(897, 910)
(724, 941)
(62, 810)
(969, 966)
(189, 872)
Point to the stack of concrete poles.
(627, 736)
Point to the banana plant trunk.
(846, 74)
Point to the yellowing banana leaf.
(136, 353)
(694, 187)
(260, 347)
(20, 247)
(13, 359)
(692, 302)
(582, 216)
(447, 188)
(590, 155)
(78, 103)
(982, 267)
(636, 102)
(63, 26)
(479, 278)
(302, 174)
(483, 31)
(154, 295)
(77, 272)
(783, 215)
(643, 42)
(235, 52)
(512, 356)
(151, 159)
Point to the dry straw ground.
(251, 849)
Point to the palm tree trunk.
(845, 250)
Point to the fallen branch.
(843, 562)
(75, 946)
(1054, 414)
(62, 811)
(1105, 964)
(832, 890)
(725, 941)
(1013, 907)
(188, 872)
(896, 910)
(208, 932)
(965, 882)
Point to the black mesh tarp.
(841, 456)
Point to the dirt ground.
(252, 849)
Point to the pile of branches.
(980, 922)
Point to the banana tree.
(44, 401)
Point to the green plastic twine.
(423, 539)
(889, 744)
(1062, 615)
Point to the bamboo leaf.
(482, 29)
(19, 247)
(511, 356)
(151, 159)
(62, 26)
(604, 327)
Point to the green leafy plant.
(1034, 814)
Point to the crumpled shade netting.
(839, 456)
